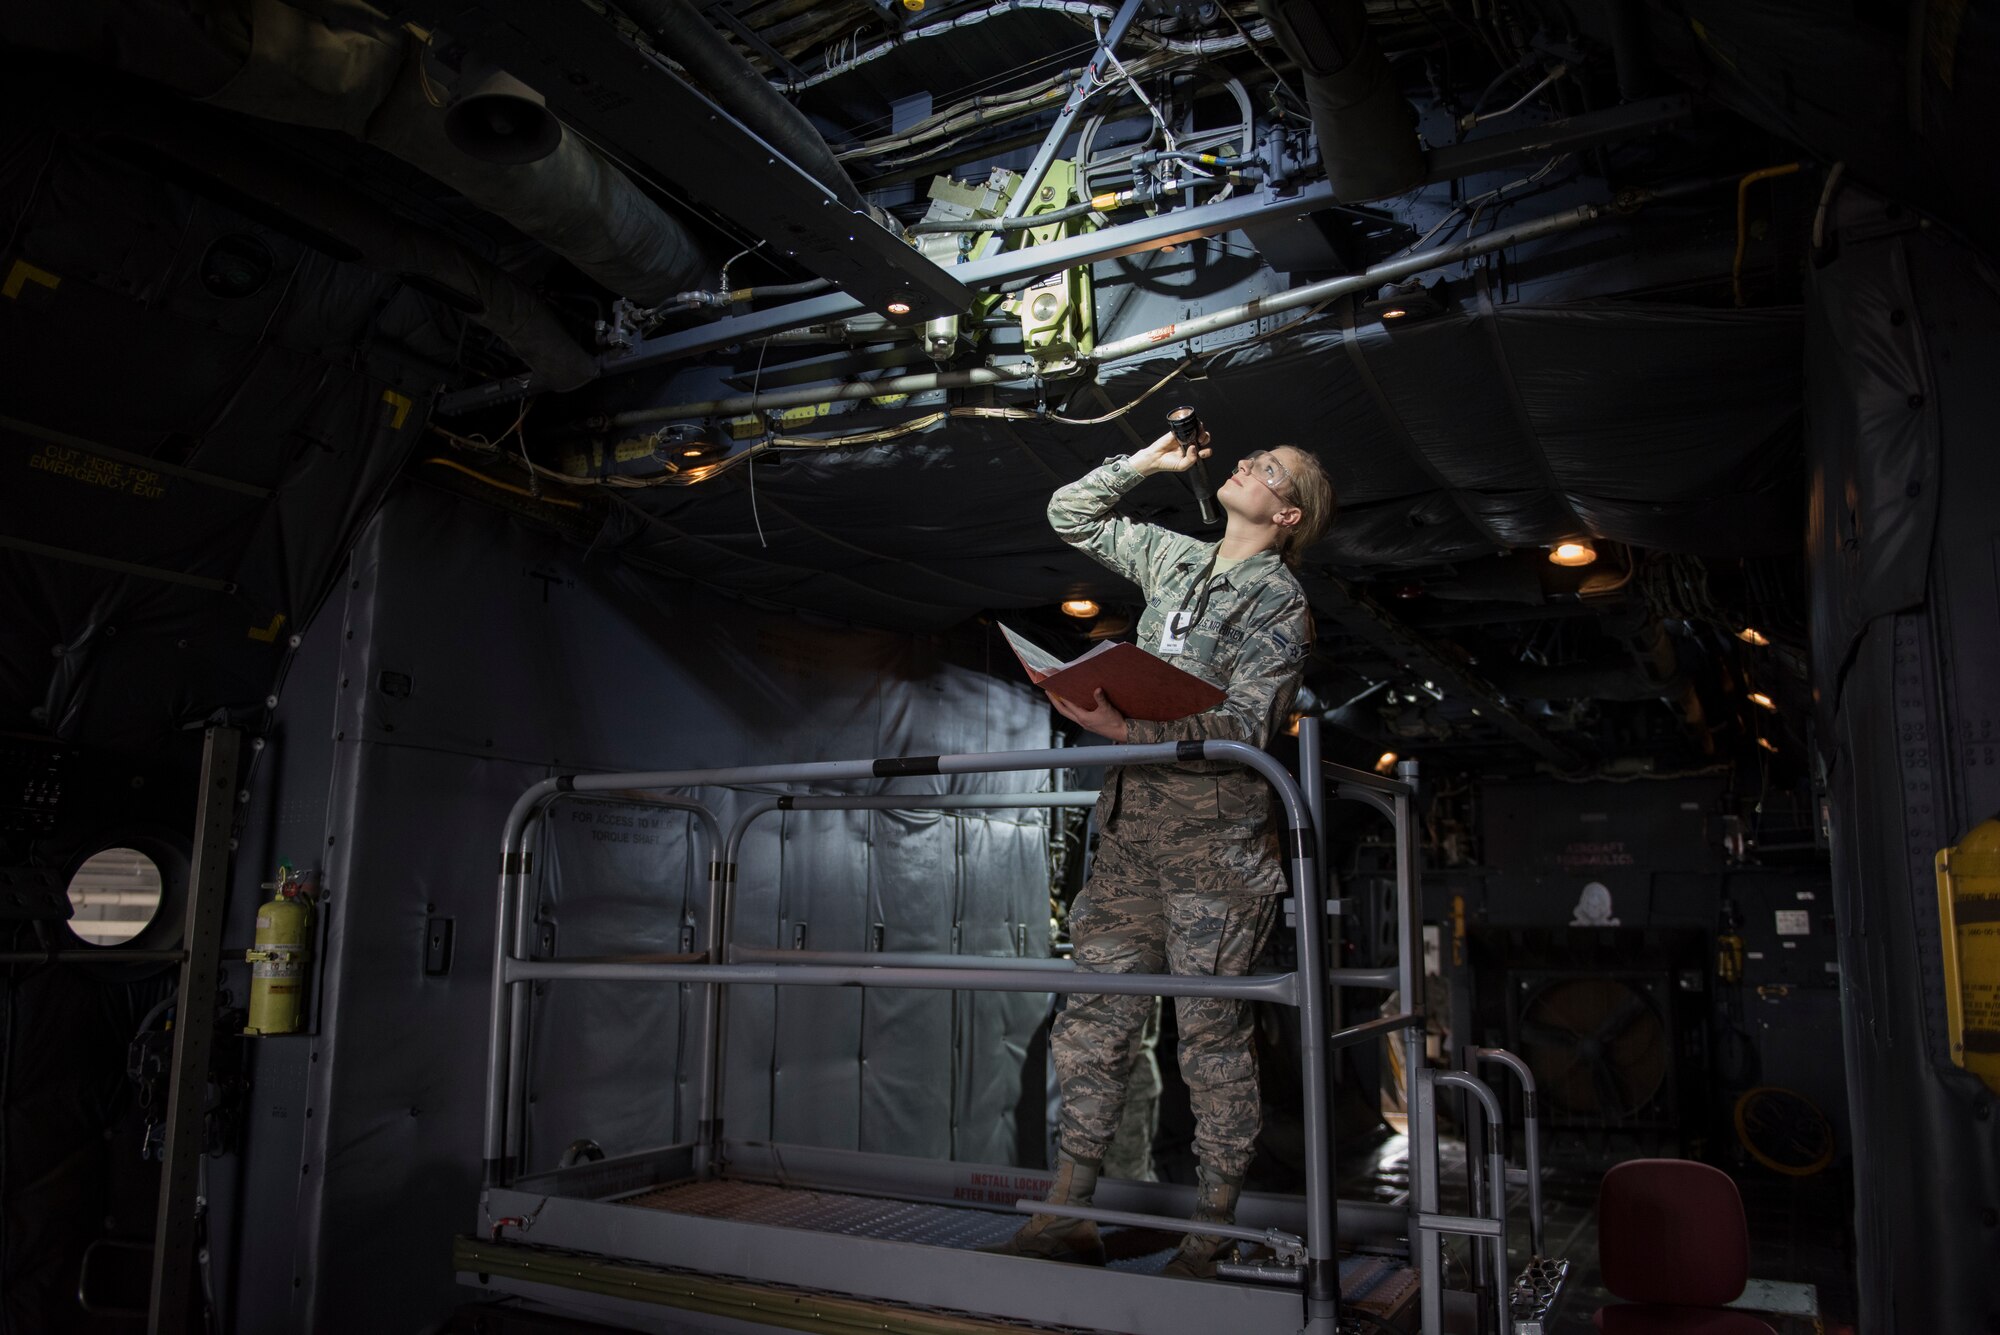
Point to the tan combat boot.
(1214, 1203)
(1053, 1237)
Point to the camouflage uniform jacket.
(1212, 824)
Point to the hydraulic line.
(815, 394)
(1743, 219)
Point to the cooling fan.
(1599, 1047)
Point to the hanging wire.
(750, 456)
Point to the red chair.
(1672, 1242)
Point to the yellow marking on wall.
(400, 404)
(1968, 881)
(96, 471)
(269, 634)
(638, 447)
(24, 273)
(807, 413)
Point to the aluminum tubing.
(1075, 797)
(1496, 1172)
(1312, 781)
(884, 959)
(1327, 289)
(1278, 987)
(1322, 1261)
(497, 1027)
(1160, 1223)
(1532, 1149)
(1409, 985)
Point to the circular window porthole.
(114, 896)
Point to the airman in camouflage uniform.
(1188, 873)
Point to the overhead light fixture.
(1767, 744)
(497, 118)
(1763, 701)
(681, 448)
(1408, 300)
(1080, 608)
(1386, 763)
(1751, 635)
(899, 308)
(1573, 552)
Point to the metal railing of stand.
(517, 1023)
(512, 972)
(1395, 799)
(1530, 1136)
(1428, 1224)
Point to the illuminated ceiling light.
(1767, 744)
(1763, 701)
(1394, 313)
(691, 448)
(1751, 635)
(1386, 763)
(899, 308)
(1080, 608)
(1573, 552)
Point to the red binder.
(1137, 684)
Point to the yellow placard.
(1968, 879)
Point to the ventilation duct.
(496, 118)
(184, 145)
(1366, 127)
(365, 78)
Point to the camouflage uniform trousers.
(1137, 916)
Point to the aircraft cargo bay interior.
(1123, 667)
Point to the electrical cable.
(497, 484)
(1474, 118)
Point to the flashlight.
(1185, 423)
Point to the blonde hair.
(1313, 494)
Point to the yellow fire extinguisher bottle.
(278, 960)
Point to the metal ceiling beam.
(1433, 660)
(1024, 194)
(616, 93)
(1169, 228)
